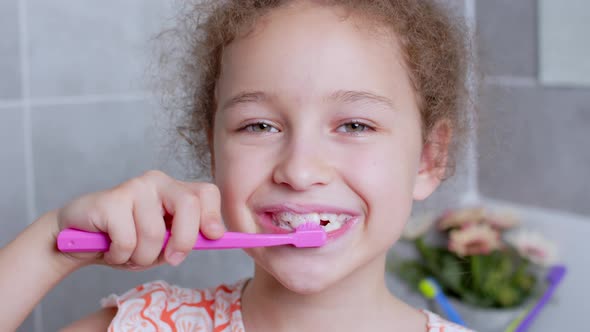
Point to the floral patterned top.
(160, 307)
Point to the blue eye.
(354, 127)
(260, 127)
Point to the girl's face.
(317, 119)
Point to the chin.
(304, 283)
(300, 273)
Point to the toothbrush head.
(555, 274)
(309, 235)
(428, 288)
(431, 290)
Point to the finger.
(118, 221)
(108, 212)
(184, 207)
(210, 214)
(83, 213)
(149, 224)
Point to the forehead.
(310, 51)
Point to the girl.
(339, 111)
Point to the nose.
(303, 165)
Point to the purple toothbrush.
(306, 235)
(554, 277)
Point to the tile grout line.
(75, 100)
(7, 104)
(27, 133)
(513, 81)
(26, 105)
(472, 195)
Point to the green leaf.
(476, 272)
(411, 272)
(451, 274)
(429, 254)
(507, 296)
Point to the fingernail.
(175, 258)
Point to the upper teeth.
(289, 220)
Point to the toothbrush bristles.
(310, 235)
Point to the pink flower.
(501, 220)
(461, 217)
(474, 239)
(534, 247)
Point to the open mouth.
(329, 221)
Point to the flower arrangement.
(481, 258)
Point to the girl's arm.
(30, 266)
(132, 214)
(98, 321)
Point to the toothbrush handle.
(232, 240)
(73, 240)
(450, 312)
(516, 322)
(528, 320)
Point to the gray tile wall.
(87, 47)
(506, 31)
(533, 139)
(10, 83)
(538, 138)
(13, 196)
(563, 52)
(84, 147)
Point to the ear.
(433, 161)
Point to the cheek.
(384, 179)
(383, 170)
(228, 170)
(238, 173)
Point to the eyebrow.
(340, 96)
(248, 97)
(353, 97)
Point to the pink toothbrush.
(306, 235)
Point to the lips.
(285, 218)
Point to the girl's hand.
(136, 214)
